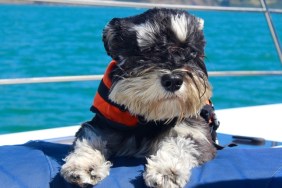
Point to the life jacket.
(207, 112)
(209, 115)
(117, 117)
(107, 108)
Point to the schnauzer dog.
(149, 101)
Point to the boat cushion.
(37, 164)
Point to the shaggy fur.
(160, 78)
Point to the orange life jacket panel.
(116, 116)
(107, 108)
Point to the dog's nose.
(171, 82)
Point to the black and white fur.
(160, 76)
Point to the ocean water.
(52, 40)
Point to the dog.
(149, 101)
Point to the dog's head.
(160, 72)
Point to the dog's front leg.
(170, 166)
(86, 164)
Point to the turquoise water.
(37, 41)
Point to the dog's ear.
(119, 39)
(201, 23)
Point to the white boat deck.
(257, 121)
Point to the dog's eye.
(193, 55)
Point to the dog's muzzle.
(172, 82)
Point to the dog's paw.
(165, 176)
(159, 180)
(85, 171)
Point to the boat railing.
(264, 8)
(99, 77)
(161, 5)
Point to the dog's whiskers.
(201, 77)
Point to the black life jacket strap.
(210, 117)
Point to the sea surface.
(53, 40)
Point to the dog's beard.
(144, 95)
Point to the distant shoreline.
(274, 3)
(15, 2)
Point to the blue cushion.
(37, 164)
